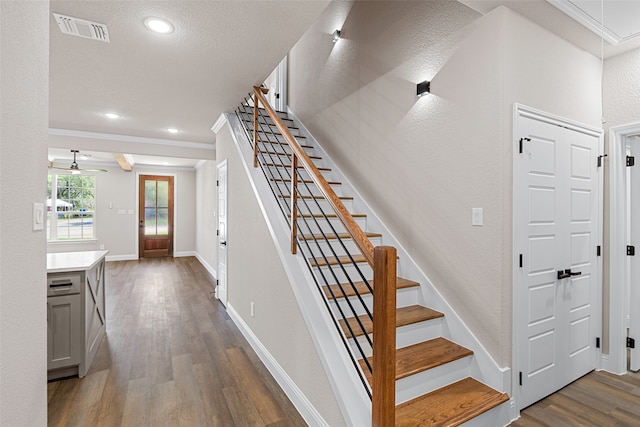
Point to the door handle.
(223, 242)
(567, 273)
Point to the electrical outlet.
(101, 247)
(253, 309)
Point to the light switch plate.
(38, 216)
(477, 217)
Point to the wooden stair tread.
(273, 153)
(342, 259)
(331, 236)
(332, 216)
(306, 181)
(449, 406)
(404, 316)
(311, 196)
(299, 167)
(362, 288)
(423, 356)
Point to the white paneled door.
(557, 233)
(221, 288)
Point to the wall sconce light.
(424, 88)
(336, 35)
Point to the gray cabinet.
(76, 315)
(64, 334)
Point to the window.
(71, 213)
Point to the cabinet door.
(64, 334)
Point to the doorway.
(155, 216)
(624, 276)
(221, 288)
(557, 242)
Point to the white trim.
(184, 253)
(520, 110)
(212, 272)
(200, 163)
(222, 298)
(222, 120)
(129, 138)
(131, 257)
(297, 397)
(616, 361)
(588, 21)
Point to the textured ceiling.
(185, 79)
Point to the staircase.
(434, 375)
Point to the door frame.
(175, 207)
(616, 360)
(520, 110)
(222, 298)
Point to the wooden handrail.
(359, 237)
(382, 260)
(383, 388)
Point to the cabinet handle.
(58, 285)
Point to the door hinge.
(598, 250)
(520, 262)
(631, 250)
(217, 232)
(277, 96)
(631, 161)
(520, 377)
(597, 342)
(521, 141)
(217, 183)
(631, 343)
(600, 159)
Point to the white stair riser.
(314, 225)
(340, 273)
(404, 298)
(407, 335)
(432, 379)
(332, 245)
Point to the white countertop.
(73, 261)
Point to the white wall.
(24, 84)
(206, 216)
(117, 228)
(255, 274)
(424, 163)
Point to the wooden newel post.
(384, 337)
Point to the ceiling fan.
(74, 168)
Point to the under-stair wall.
(278, 332)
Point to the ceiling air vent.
(81, 28)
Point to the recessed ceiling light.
(158, 25)
(112, 115)
(172, 130)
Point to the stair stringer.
(483, 367)
(350, 393)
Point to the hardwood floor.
(599, 399)
(171, 357)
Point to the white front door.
(221, 288)
(557, 309)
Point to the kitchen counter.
(74, 261)
(76, 311)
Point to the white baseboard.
(184, 253)
(207, 266)
(121, 257)
(299, 400)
